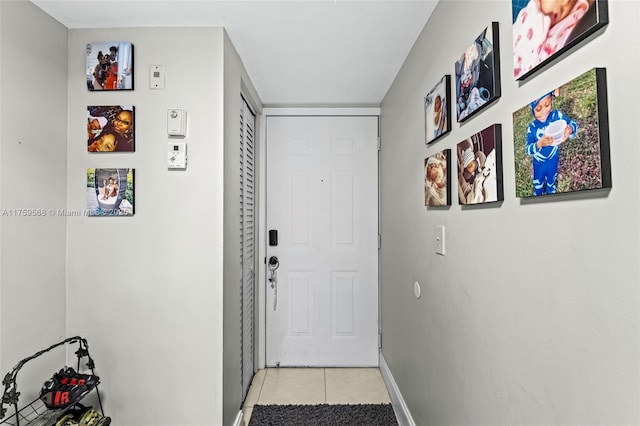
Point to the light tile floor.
(315, 386)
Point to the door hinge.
(379, 143)
(379, 340)
(379, 241)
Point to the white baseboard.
(238, 421)
(397, 401)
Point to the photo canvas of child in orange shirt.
(109, 66)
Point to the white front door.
(322, 198)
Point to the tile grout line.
(324, 374)
(259, 390)
(264, 379)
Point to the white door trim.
(262, 232)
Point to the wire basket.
(33, 414)
(36, 413)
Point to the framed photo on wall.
(480, 167)
(437, 178)
(544, 31)
(110, 192)
(110, 128)
(437, 110)
(561, 139)
(478, 74)
(109, 66)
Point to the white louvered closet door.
(247, 242)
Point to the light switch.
(439, 237)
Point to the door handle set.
(273, 265)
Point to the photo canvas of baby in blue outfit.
(561, 139)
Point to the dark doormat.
(323, 415)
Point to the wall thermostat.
(176, 122)
(177, 155)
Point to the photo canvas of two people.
(480, 167)
(561, 138)
(110, 192)
(110, 128)
(544, 29)
(109, 66)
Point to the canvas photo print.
(544, 29)
(561, 139)
(109, 66)
(437, 175)
(437, 110)
(480, 167)
(110, 192)
(478, 74)
(110, 128)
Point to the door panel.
(247, 240)
(322, 197)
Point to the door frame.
(261, 272)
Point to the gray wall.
(532, 315)
(156, 317)
(147, 291)
(33, 169)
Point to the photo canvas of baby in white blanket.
(437, 110)
(480, 167)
